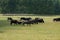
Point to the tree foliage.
(30, 6)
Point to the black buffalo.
(27, 22)
(26, 19)
(39, 20)
(56, 19)
(12, 21)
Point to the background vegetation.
(50, 7)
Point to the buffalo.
(56, 19)
(27, 22)
(13, 21)
(39, 20)
(26, 19)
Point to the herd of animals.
(28, 21)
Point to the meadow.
(47, 31)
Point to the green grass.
(48, 31)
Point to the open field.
(48, 31)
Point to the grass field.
(48, 31)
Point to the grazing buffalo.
(13, 21)
(26, 19)
(56, 19)
(39, 20)
(27, 22)
(34, 21)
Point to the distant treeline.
(44, 7)
(18, 14)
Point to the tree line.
(50, 7)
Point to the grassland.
(48, 31)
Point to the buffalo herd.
(24, 21)
(28, 21)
